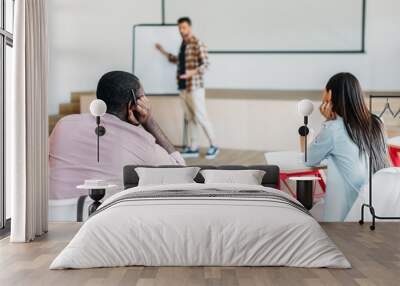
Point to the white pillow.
(166, 176)
(247, 177)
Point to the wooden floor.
(375, 257)
(230, 157)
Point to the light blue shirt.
(347, 168)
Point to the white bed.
(264, 228)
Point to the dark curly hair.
(115, 89)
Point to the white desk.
(290, 161)
(291, 164)
(394, 141)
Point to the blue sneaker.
(189, 153)
(212, 152)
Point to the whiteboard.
(273, 25)
(156, 73)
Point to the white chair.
(385, 196)
(66, 210)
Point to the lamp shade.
(305, 107)
(98, 107)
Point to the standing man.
(192, 63)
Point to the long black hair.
(363, 127)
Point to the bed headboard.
(270, 179)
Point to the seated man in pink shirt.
(128, 140)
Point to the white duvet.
(200, 231)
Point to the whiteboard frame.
(133, 53)
(350, 51)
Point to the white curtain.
(27, 123)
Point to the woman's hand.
(326, 110)
(142, 110)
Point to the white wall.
(91, 37)
(378, 69)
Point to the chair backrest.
(270, 179)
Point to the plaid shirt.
(196, 58)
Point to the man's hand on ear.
(143, 116)
(142, 110)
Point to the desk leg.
(289, 188)
(321, 182)
(283, 179)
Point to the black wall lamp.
(98, 108)
(305, 107)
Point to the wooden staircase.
(73, 107)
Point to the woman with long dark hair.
(350, 136)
